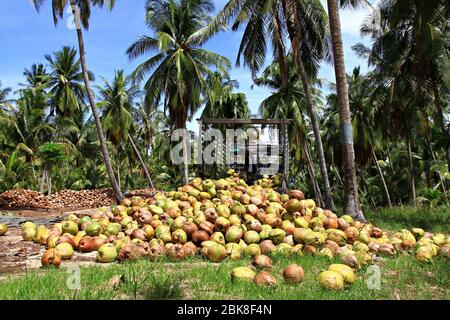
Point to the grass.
(402, 276)
(396, 218)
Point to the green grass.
(402, 277)
(396, 218)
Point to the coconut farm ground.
(401, 276)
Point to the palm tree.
(82, 11)
(180, 64)
(117, 100)
(221, 102)
(304, 23)
(65, 82)
(37, 77)
(365, 108)
(4, 92)
(287, 101)
(404, 53)
(352, 205)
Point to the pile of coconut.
(228, 219)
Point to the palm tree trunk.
(118, 168)
(185, 157)
(281, 51)
(295, 45)
(144, 166)
(386, 191)
(49, 182)
(318, 139)
(411, 169)
(351, 200)
(41, 187)
(316, 189)
(101, 136)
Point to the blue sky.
(26, 36)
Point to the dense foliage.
(399, 109)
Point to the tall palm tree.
(287, 101)
(65, 82)
(408, 50)
(180, 64)
(352, 204)
(269, 22)
(367, 133)
(82, 11)
(117, 99)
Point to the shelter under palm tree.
(259, 165)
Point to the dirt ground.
(17, 255)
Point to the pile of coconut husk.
(29, 199)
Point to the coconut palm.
(65, 82)
(4, 93)
(404, 53)
(365, 109)
(37, 77)
(352, 205)
(82, 11)
(117, 99)
(288, 101)
(180, 64)
(221, 102)
(269, 22)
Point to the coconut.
(424, 253)
(314, 238)
(296, 194)
(70, 227)
(417, 232)
(266, 246)
(179, 236)
(65, 250)
(156, 251)
(218, 237)
(359, 246)
(363, 258)
(387, 249)
(216, 253)
(207, 226)
(283, 249)
(301, 222)
(337, 236)
(344, 270)
(252, 250)
(293, 273)
(223, 210)
(326, 252)
(350, 260)
(242, 274)
(251, 237)
(262, 262)
(331, 280)
(265, 279)
(106, 253)
(233, 251)
(277, 235)
(51, 257)
(234, 234)
(199, 236)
